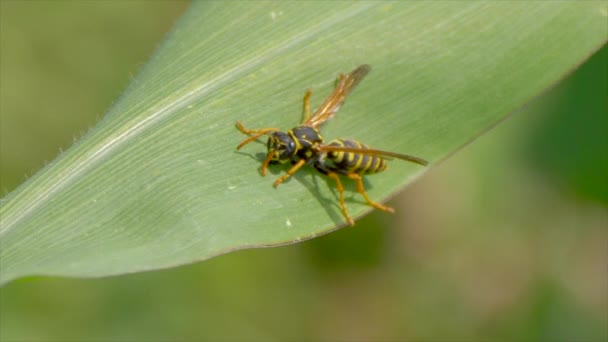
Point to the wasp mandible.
(304, 144)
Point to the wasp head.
(282, 146)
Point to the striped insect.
(354, 159)
(296, 145)
(304, 144)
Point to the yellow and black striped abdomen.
(353, 162)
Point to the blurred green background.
(507, 240)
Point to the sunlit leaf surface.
(157, 183)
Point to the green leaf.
(157, 183)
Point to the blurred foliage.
(573, 139)
(487, 246)
(48, 48)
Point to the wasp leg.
(267, 161)
(361, 190)
(340, 189)
(290, 172)
(307, 105)
(254, 133)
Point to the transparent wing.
(346, 83)
(328, 148)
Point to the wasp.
(304, 144)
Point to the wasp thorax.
(282, 146)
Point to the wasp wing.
(329, 148)
(346, 83)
